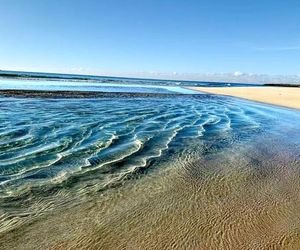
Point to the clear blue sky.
(258, 36)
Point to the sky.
(249, 40)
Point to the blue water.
(91, 86)
(48, 141)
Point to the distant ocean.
(92, 81)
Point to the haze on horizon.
(249, 41)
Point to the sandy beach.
(282, 96)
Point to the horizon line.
(128, 77)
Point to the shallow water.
(197, 171)
(46, 141)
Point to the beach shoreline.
(280, 96)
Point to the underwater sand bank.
(230, 200)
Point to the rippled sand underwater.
(148, 173)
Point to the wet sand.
(282, 96)
(236, 199)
